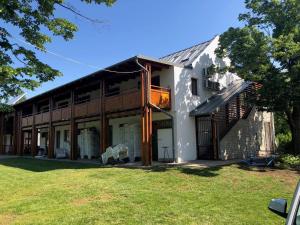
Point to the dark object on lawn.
(279, 206)
(264, 162)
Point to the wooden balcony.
(87, 108)
(42, 118)
(27, 121)
(127, 100)
(161, 97)
(61, 114)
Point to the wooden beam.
(73, 131)
(146, 117)
(34, 133)
(103, 122)
(15, 133)
(148, 67)
(215, 143)
(34, 141)
(51, 134)
(20, 137)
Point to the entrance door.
(204, 138)
(164, 143)
(268, 136)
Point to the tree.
(266, 49)
(37, 23)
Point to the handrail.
(160, 88)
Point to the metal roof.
(216, 101)
(186, 56)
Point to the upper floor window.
(194, 86)
(155, 81)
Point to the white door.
(164, 144)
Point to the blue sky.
(148, 27)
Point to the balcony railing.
(61, 114)
(87, 108)
(42, 118)
(130, 99)
(27, 121)
(119, 102)
(161, 97)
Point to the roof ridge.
(187, 48)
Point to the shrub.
(290, 160)
(284, 142)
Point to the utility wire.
(73, 60)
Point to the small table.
(166, 152)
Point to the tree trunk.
(294, 123)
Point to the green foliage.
(283, 141)
(267, 50)
(6, 108)
(37, 23)
(281, 124)
(288, 160)
(283, 133)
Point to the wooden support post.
(34, 141)
(20, 137)
(214, 132)
(148, 67)
(73, 131)
(34, 133)
(1, 133)
(238, 107)
(51, 134)
(103, 119)
(15, 134)
(146, 117)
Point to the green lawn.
(46, 192)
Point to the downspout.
(159, 109)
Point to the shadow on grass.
(203, 172)
(264, 169)
(37, 165)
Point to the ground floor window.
(62, 142)
(88, 140)
(42, 141)
(27, 136)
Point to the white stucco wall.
(184, 102)
(247, 137)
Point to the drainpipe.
(159, 109)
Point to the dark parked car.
(279, 206)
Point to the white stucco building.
(172, 108)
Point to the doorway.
(204, 138)
(164, 144)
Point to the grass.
(47, 192)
